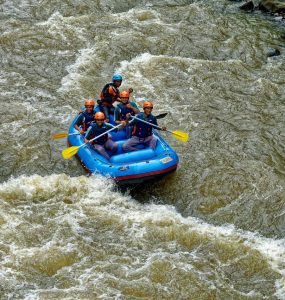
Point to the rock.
(247, 6)
(272, 52)
(272, 6)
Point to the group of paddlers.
(138, 125)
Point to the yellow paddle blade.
(69, 152)
(59, 135)
(180, 135)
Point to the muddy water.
(212, 230)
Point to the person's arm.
(109, 126)
(79, 129)
(112, 91)
(117, 115)
(133, 107)
(155, 123)
(78, 123)
(88, 135)
(132, 121)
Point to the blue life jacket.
(87, 120)
(96, 130)
(141, 129)
(124, 111)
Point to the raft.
(126, 168)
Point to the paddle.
(63, 135)
(179, 135)
(160, 116)
(69, 152)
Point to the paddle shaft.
(153, 125)
(97, 137)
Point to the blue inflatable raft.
(126, 168)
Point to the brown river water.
(215, 229)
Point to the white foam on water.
(131, 70)
(144, 17)
(271, 249)
(147, 58)
(58, 25)
(75, 73)
(97, 194)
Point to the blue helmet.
(117, 77)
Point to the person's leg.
(151, 141)
(111, 145)
(101, 150)
(106, 113)
(129, 144)
(111, 112)
(128, 130)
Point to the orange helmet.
(147, 104)
(124, 94)
(89, 102)
(99, 116)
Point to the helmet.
(99, 116)
(124, 94)
(89, 102)
(117, 77)
(147, 104)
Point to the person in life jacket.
(109, 94)
(142, 132)
(104, 142)
(124, 110)
(85, 117)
